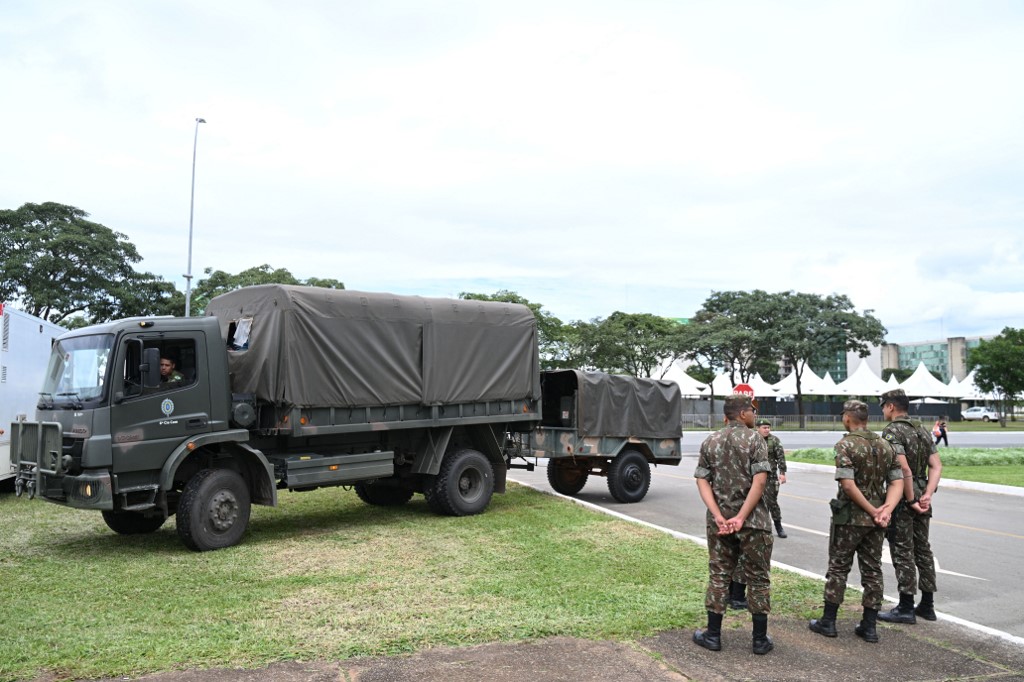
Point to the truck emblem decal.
(167, 407)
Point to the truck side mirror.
(150, 368)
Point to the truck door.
(147, 423)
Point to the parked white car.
(985, 414)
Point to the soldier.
(864, 463)
(731, 474)
(908, 534)
(777, 476)
(169, 376)
(777, 459)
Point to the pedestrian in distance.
(731, 474)
(908, 534)
(870, 486)
(939, 431)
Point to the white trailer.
(24, 354)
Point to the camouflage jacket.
(776, 455)
(728, 460)
(870, 461)
(914, 440)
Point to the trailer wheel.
(214, 510)
(131, 523)
(567, 478)
(464, 484)
(629, 477)
(382, 495)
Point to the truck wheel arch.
(251, 463)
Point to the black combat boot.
(779, 530)
(866, 629)
(826, 625)
(902, 613)
(762, 642)
(926, 609)
(737, 596)
(710, 638)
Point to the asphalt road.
(977, 537)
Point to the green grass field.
(324, 576)
(1004, 466)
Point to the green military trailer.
(281, 388)
(607, 425)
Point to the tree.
(219, 282)
(744, 330)
(998, 366)
(62, 267)
(551, 333)
(630, 343)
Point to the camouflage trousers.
(771, 498)
(911, 552)
(866, 542)
(751, 551)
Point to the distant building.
(944, 358)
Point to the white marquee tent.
(762, 389)
(862, 382)
(688, 385)
(787, 386)
(826, 387)
(922, 384)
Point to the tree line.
(60, 266)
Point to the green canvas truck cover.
(314, 347)
(620, 406)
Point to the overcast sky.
(592, 156)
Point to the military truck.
(283, 388)
(607, 425)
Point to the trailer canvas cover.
(308, 347)
(616, 405)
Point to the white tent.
(826, 386)
(892, 383)
(922, 384)
(954, 387)
(721, 385)
(862, 382)
(788, 384)
(762, 389)
(970, 391)
(687, 384)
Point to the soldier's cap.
(854, 405)
(738, 401)
(894, 394)
(763, 422)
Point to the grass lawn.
(1004, 466)
(324, 576)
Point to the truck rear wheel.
(214, 510)
(464, 484)
(629, 477)
(566, 477)
(382, 495)
(131, 523)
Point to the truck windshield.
(76, 375)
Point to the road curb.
(945, 483)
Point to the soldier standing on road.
(864, 463)
(731, 475)
(908, 534)
(777, 476)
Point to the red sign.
(744, 389)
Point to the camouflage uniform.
(912, 556)
(777, 458)
(728, 461)
(869, 460)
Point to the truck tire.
(214, 510)
(464, 484)
(567, 478)
(382, 495)
(629, 477)
(131, 523)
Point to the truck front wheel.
(567, 478)
(131, 523)
(214, 510)
(629, 477)
(464, 484)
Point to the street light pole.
(191, 211)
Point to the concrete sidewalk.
(926, 651)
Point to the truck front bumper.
(37, 455)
